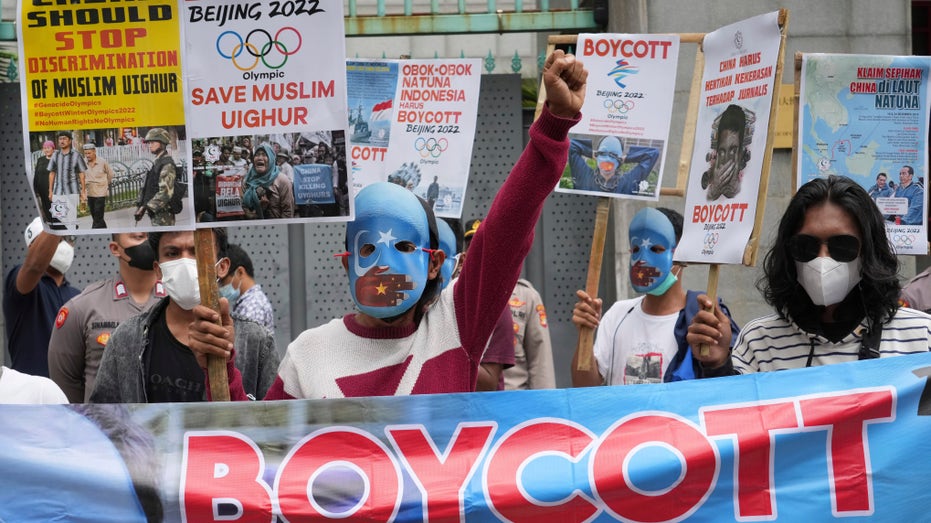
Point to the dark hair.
(136, 446)
(911, 171)
(675, 219)
(879, 284)
(220, 239)
(239, 258)
(733, 119)
(456, 226)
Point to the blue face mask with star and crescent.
(388, 266)
(652, 241)
(448, 245)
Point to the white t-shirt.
(632, 346)
(19, 388)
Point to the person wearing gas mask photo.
(408, 335)
(149, 358)
(642, 340)
(32, 295)
(831, 277)
(609, 157)
(86, 321)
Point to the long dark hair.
(879, 283)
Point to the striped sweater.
(772, 343)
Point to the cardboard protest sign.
(372, 87)
(731, 138)
(254, 103)
(619, 147)
(98, 79)
(866, 117)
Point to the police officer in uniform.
(84, 323)
(155, 196)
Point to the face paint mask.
(826, 280)
(652, 241)
(141, 256)
(63, 257)
(388, 267)
(180, 280)
(448, 245)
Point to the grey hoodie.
(121, 378)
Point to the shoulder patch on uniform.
(103, 338)
(541, 312)
(119, 290)
(160, 290)
(62, 316)
(516, 302)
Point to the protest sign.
(372, 87)
(619, 147)
(97, 80)
(732, 144)
(815, 444)
(254, 102)
(866, 117)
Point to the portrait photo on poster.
(731, 137)
(609, 165)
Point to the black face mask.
(141, 256)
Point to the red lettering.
(847, 417)
(218, 466)
(437, 475)
(522, 444)
(681, 499)
(752, 426)
(334, 448)
(376, 154)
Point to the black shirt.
(173, 374)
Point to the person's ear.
(157, 269)
(223, 268)
(437, 257)
(114, 249)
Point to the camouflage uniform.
(159, 183)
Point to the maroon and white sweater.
(442, 353)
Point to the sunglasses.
(843, 247)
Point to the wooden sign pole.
(205, 251)
(587, 334)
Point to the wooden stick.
(712, 293)
(586, 334)
(205, 251)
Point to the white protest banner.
(866, 117)
(260, 89)
(371, 87)
(433, 129)
(619, 148)
(738, 86)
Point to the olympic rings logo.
(711, 239)
(905, 240)
(430, 146)
(618, 106)
(258, 50)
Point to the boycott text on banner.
(104, 85)
(253, 102)
(619, 147)
(866, 117)
(838, 441)
(742, 61)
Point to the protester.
(98, 177)
(159, 185)
(87, 321)
(393, 346)
(247, 300)
(32, 295)
(643, 340)
(265, 193)
(148, 358)
(19, 388)
(831, 277)
(284, 166)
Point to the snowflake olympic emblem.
(738, 40)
